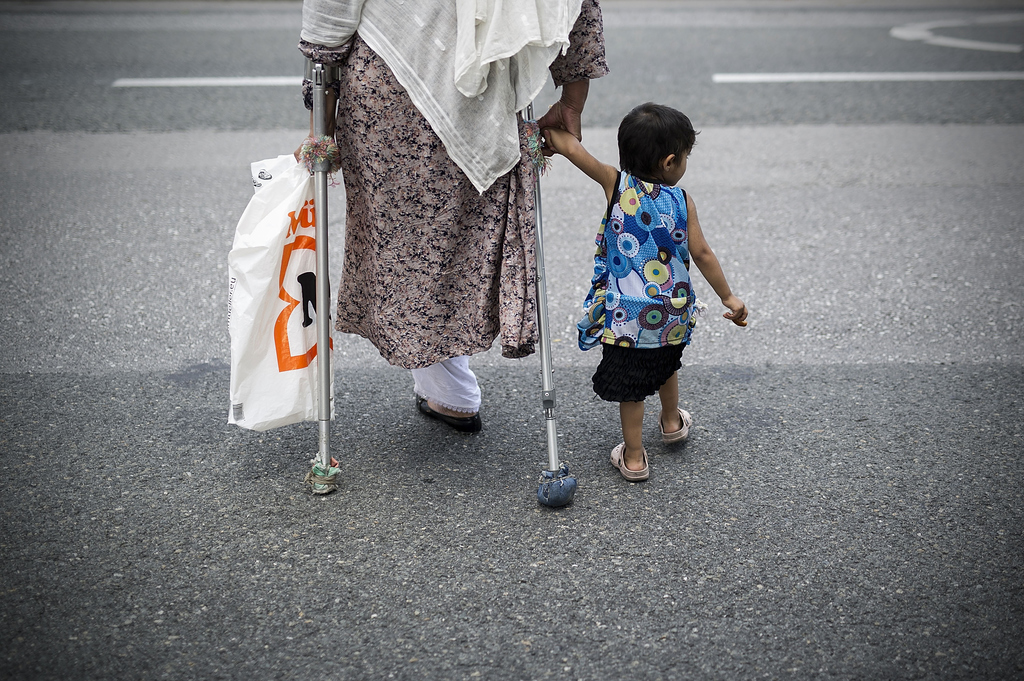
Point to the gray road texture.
(848, 506)
(664, 51)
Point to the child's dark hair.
(649, 133)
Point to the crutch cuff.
(307, 92)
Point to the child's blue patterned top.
(640, 294)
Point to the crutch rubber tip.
(322, 481)
(557, 488)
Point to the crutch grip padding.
(535, 146)
(320, 154)
(557, 488)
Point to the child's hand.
(559, 141)
(737, 310)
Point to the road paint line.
(255, 81)
(865, 77)
(923, 32)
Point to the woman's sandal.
(467, 424)
(628, 474)
(679, 435)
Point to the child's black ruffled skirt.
(632, 374)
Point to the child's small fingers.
(737, 318)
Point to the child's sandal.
(679, 435)
(629, 474)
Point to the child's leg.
(632, 416)
(669, 395)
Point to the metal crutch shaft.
(544, 330)
(323, 279)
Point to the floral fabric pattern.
(640, 294)
(585, 57)
(433, 269)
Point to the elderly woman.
(439, 241)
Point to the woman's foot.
(675, 427)
(459, 420)
(441, 409)
(634, 468)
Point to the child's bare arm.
(707, 262)
(567, 145)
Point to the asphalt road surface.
(848, 505)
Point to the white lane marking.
(257, 81)
(923, 32)
(866, 77)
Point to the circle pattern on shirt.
(629, 201)
(629, 245)
(618, 264)
(657, 272)
(652, 316)
(673, 334)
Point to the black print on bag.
(295, 349)
(263, 175)
(307, 280)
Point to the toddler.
(640, 308)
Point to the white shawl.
(468, 66)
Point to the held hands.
(563, 118)
(566, 114)
(737, 310)
(557, 141)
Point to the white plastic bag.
(272, 301)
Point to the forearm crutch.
(323, 477)
(557, 487)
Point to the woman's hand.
(563, 117)
(567, 113)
